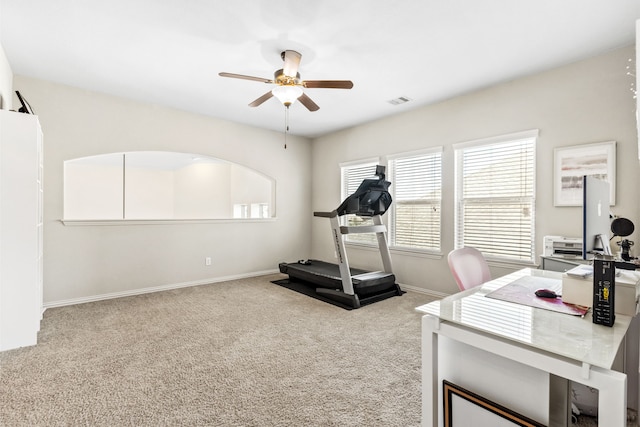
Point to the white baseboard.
(93, 298)
(168, 287)
(438, 295)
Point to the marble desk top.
(574, 337)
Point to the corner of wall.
(6, 82)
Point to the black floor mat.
(310, 290)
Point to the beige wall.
(93, 191)
(193, 194)
(82, 262)
(585, 102)
(580, 103)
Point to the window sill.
(511, 264)
(107, 222)
(420, 253)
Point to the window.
(416, 180)
(352, 175)
(495, 196)
(259, 210)
(240, 211)
(158, 185)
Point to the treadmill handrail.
(360, 229)
(331, 214)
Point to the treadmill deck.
(327, 275)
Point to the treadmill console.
(371, 198)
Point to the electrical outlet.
(207, 261)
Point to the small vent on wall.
(399, 100)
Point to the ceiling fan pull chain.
(286, 126)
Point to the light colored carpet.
(239, 353)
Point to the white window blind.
(495, 195)
(416, 189)
(352, 176)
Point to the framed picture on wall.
(572, 163)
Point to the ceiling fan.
(289, 86)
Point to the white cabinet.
(21, 226)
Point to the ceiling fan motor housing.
(280, 78)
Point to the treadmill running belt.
(327, 275)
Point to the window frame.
(502, 140)
(392, 174)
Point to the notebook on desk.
(522, 291)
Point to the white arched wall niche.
(161, 185)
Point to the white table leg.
(612, 398)
(430, 371)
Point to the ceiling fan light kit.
(287, 94)
(289, 86)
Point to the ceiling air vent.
(398, 101)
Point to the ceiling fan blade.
(291, 63)
(328, 84)
(307, 102)
(241, 76)
(261, 99)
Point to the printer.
(563, 247)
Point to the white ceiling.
(169, 52)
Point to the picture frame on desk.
(463, 407)
(572, 163)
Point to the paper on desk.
(522, 291)
(581, 271)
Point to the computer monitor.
(596, 224)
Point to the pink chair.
(469, 267)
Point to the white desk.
(564, 347)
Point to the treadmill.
(347, 286)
